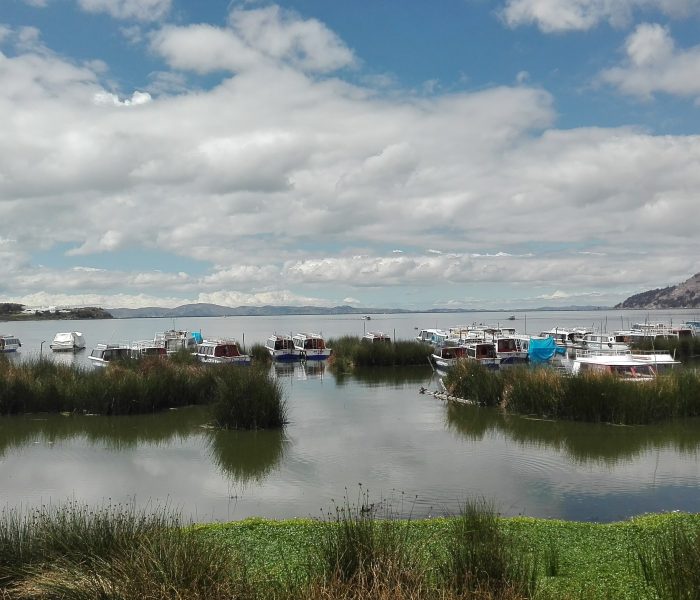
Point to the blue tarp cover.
(197, 335)
(541, 350)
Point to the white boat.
(662, 362)
(605, 343)
(71, 341)
(282, 349)
(376, 337)
(447, 356)
(567, 338)
(511, 349)
(174, 340)
(624, 365)
(484, 353)
(9, 343)
(145, 348)
(224, 352)
(432, 336)
(312, 345)
(103, 354)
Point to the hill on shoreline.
(683, 295)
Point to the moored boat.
(604, 343)
(71, 341)
(282, 349)
(9, 343)
(174, 340)
(623, 365)
(221, 352)
(103, 354)
(376, 337)
(484, 353)
(447, 356)
(312, 345)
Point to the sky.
(476, 154)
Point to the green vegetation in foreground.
(360, 551)
(350, 352)
(589, 397)
(241, 398)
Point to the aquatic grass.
(482, 558)
(352, 351)
(260, 355)
(474, 382)
(70, 551)
(137, 387)
(360, 548)
(591, 397)
(248, 398)
(670, 563)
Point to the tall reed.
(670, 562)
(351, 351)
(149, 385)
(473, 381)
(593, 397)
(72, 552)
(482, 559)
(248, 399)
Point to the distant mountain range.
(215, 310)
(683, 295)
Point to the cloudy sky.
(379, 153)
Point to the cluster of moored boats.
(496, 347)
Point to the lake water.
(373, 429)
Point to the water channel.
(373, 428)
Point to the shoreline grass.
(590, 397)
(350, 352)
(241, 397)
(71, 551)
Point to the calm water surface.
(372, 428)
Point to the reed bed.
(590, 397)
(248, 399)
(670, 563)
(351, 351)
(73, 552)
(241, 397)
(260, 355)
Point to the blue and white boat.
(312, 346)
(282, 349)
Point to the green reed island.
(240, 398)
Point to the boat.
(174, 340)
(9, 343)
(71, 341)
(225, 352)
(374, 337)
(484, 353)
(145, 348)
(103, 354)
(446, 356)
(566, 338)
(605, 343)
(281, 348)
(512, 349)
(312, 345)
(662, 362)
(366, 318)
(623, 365)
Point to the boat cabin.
(374, 337)
(221, 351)
(9, 343)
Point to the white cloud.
(140, 10)
(103, 97)
(653, 64)
(255, 38)
(292, 188)
(553, 16)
